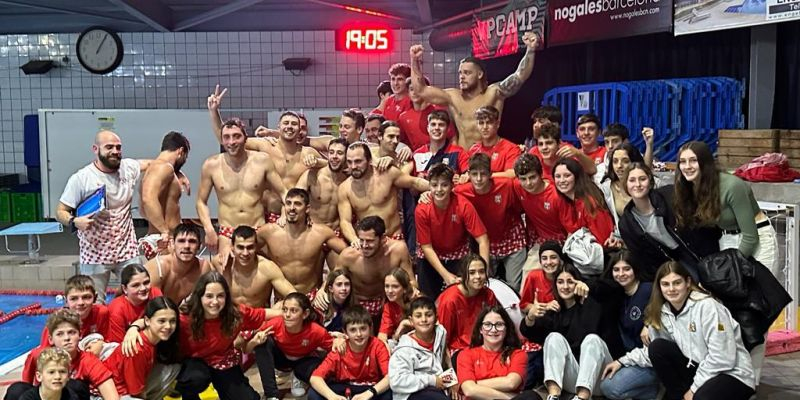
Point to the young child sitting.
(52, 370)
(361, 372)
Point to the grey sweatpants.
(561, 367)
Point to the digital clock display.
(364, 40)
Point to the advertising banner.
(499, 33)
(575, 21)
(693, 16)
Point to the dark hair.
(441, 115)
(229, 316)
(80, 282)
(616, 129)
(349, 302)
(356, 115)
(623, 255)
(569, 269)
(409, 81)
(189, 228)
(526, 164)
(243, 232)
(642, 166)
(356, 314)
(166, 350)
(548, 112)
(701, 205)
(173, 141)
(386, 125)
(291, 114)
(372, 223)
(633, 154)
(487, 112)
(441, 170)
(400, 69)
(585, 188)
(376, 117)
(588, 117)
(478, 63)
(550, 130)
(652, 313)
(128, 273)
(234, 123)
(422, 302)
(511, 341)
(298, 192)
(464, 267)
(480, 161)
(383, 88)
(363, 146)
(304, 303)
(339, 141)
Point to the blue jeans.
(631, 383)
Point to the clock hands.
(101, 44)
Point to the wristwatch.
(373, 391)
(71, 224)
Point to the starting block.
(33, 230)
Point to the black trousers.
(231, 384)
(430, 282)
(673, 368)
(269, 356)
(77, 387)
(341, 389)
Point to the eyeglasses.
(499, 326)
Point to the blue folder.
(94, 203)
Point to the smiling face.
(548, 147)
(390, 139)
(437, 129)
(398, 82)
(213, 300)
(233, 140)
(66, 337)
(493, 330)
(424, 321)
(358, 335)
(336, 152)
(109, 150)
(348, 129)
(186, 246)
(638, 184)
(476, 276)
(80, 301)
(295, 208)
(138, 288)
(244, 250)
(587, 134)
(393, 289)
(162, 324)
(371, 131)
(550, 261)
(689, 166)
(622, 272)
(289, 126)
(441, 189)
(675, 289)
(565, 286)
(565, 180)
(340, 289)
(370, 243)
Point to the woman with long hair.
(210, 326)
(494, 366)
(647, 225)
(706, 196)
(398, 289)
(625, 298)
(612, 185)
(149, 372)
(338, 287)
(134, 293)
(574, 338)
(696, 348)
(586, 205)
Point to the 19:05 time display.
(359, 39)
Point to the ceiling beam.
(73, 11)
(152, 12)
(214, 14)
(360, 10)
(424, 7)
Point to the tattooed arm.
(511, 85)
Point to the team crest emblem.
(304, 343)
(494, 156)
(546, 205)
(498, 199)
(454, 218)
(446, 161)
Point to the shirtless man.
(369, 192)
(176, 273)
(239, 178)
(369, 265)
(474, 91)
(297, 247)
(251, 277)
(290, 158)
(161, 193)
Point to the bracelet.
(373, 391)
(138, 328)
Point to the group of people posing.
(361, 263)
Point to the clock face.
(99, 50)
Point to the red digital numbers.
(364, 40)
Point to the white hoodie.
(413, 367)
(706, 333)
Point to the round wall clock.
(99, 50)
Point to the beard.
(110, 162)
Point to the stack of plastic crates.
(679, 110)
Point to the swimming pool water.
(24, 332)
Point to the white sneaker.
(298, 387)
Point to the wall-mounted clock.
(99, 50)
